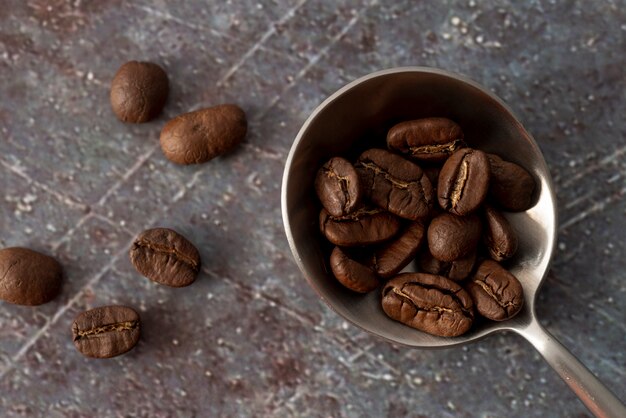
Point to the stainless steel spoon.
(365, 109)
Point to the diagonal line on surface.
(70, 201)
(270, 31)
(595, 207)
(200, 28)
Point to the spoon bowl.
(357, 117)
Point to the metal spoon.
(365, 109)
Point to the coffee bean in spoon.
(451, 237)
(166, 257)
(499, 236)
(138, 91)
(463, 181)
(497, 293)
(107, 331)
(28, 277)
(428, 139)
(395, 184)
(511, 187)
(395, 255)
(454, 270)
(429, 303)
(353, 271)
(365, 226)
(338, 187)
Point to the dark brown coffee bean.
(463, 181)
(498, 294)
(395, 184)
(28, 277)
(138, 91)
(199, 136)
(166, 257)
(499, 236)
(352, 272)
(338, 187)
(106, 332)
(364, 226)
(430, 303)
(432, 173)
(512, 187)
(451, 237)
(397, 254)
(429, 139)
(454, 270)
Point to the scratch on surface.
(315, 59)
(70, 201)
(594, 167)
(270, 31)
(595, 207)
(132, 170)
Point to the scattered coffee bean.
(430, 303)
(454, 270)
(463, 181)
(166, 257)
(199, 136)
(512, 187)
(451, 237)
(139, 91)
(498, 294)
(395, 184)
(338, 187)
(28, 277)
(351, 272)
(429, 139)
(500, 238)
(364, 226)
(397, 254)
(106, 332)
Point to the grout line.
(35, 337)
(70, 201)
(270, 31)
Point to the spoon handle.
(596, 397)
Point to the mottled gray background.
(250, 338)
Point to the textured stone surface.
(250, 338)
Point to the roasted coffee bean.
(28, 277)
(498, 294)
(432, 173)
(429, 139)
(463, 181)
(139, 91)
(338, 187)
(364, 226)
(199, 136)
(512, 187)
(430, 303)
(395, 184)
(352, 272)
(499, 236)
(106, 332)
(397, 254)
(451, 237)
(453, 270)
(166, 257)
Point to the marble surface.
(250, 338)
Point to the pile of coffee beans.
(432, 199)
